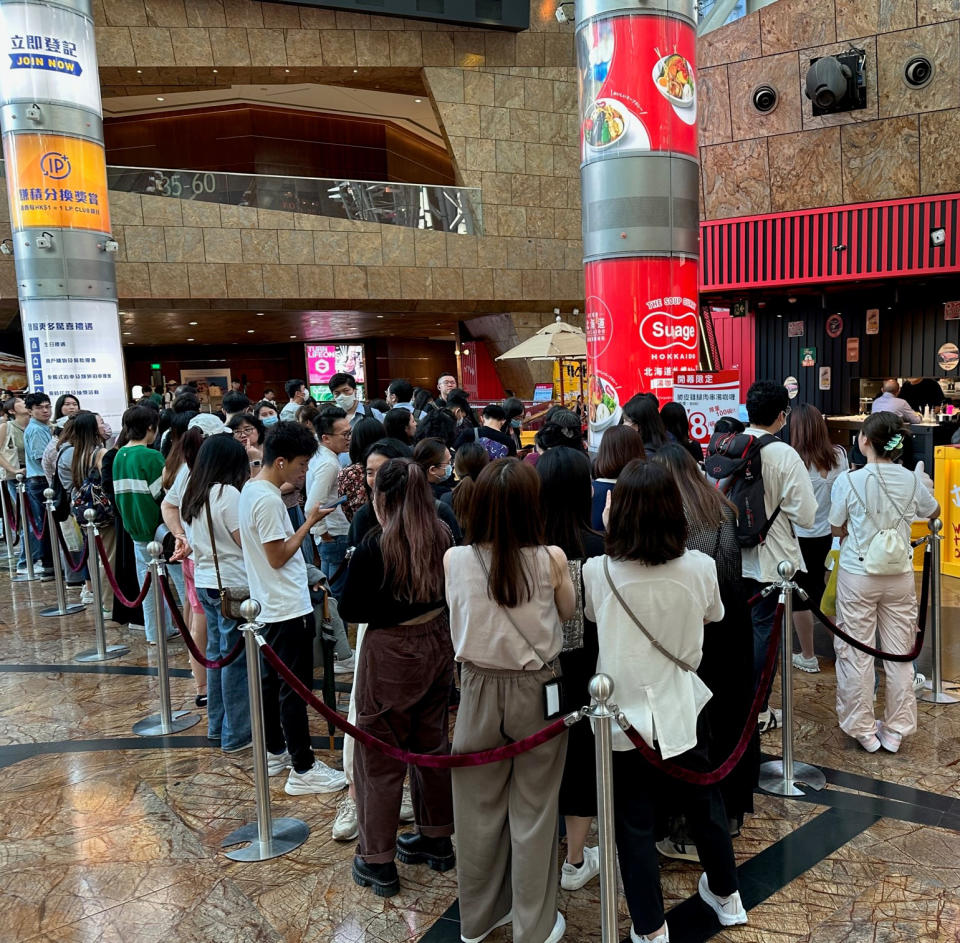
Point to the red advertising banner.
(638, 336)
(638, 90)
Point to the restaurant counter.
(926, 436)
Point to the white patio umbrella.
(557, 341)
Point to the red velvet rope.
(33, 527)
(675, 770)
(129, 603)
(231, 656)
(11, 520)
(439, 761)
(67, 554)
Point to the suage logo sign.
(661, 331)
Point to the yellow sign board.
(946, 478)
(574, 378)
(56, 181)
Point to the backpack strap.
(763, 441)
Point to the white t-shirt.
(174, 495)
(225, 511)
(886, 504)
(282, 593)
(822, 488)
(673, 600)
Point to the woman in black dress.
(727, 664)
(565, 500)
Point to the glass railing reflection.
(416, 206)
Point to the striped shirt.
(137, 486)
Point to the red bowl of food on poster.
(603, 404)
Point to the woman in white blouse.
(648, 578)
(874, 595)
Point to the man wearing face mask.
(344, 389)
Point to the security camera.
(918, 72)
(43, 241)
(938, 237)
(561, 14)
(109, 245)
(765, 98)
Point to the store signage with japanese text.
(707, 397)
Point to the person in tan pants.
(507, 595)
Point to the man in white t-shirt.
(786, 485)
(297, 396)
(277, 577)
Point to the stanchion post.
(935, 693)
(781, 776)
(102, 652)
(61, 608)
(166, 721)
(6, 510)
(30, 576)
(602, 711)
(268, 837)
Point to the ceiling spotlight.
(418, 100)
(139, 71)
(214, 71)
(259, 314)
(251, 331)
(160, 98)
(287, 71)
(938, 237)
(128, 332)
(292, 336)
(355, 71)
(193, 323)
(792, 299)
(379, 315)
(189, 338)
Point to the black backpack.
(733, 461)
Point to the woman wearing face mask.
(515, 411)
(434, 458)
(267, 413)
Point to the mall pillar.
(636, 62)
(52, 126)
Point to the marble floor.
(105, 836)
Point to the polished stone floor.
(105, 836)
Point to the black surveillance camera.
(765, 98)
(837, 83)
(918, 72)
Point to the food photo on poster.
(324, 360)
(638, 90)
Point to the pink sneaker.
(889, 739)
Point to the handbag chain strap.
(506, 612)
(677, 661)
(213, 547)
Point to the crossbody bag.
(679, 662)
(555, 697)
(232, 598)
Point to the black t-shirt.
(368, 597)
(364, 521)
(485, 432)
(926, 392)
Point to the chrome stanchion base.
(772, 778)
(152, 726)
(66, 611)
(930, 697)
(112, 651)
(286, 835)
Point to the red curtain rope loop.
(129, 603)
(675, 770)
(438, 761)
(231, 656)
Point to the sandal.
(200, 700)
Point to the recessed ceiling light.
(379, 315)
(193, 323)
(251, 331)
(189, 338)
(128, 332)
(160, 98)
(293, 335)
(355, 71)
(418, 100)
(214, 71)
(139, 71)
(259, 314)
(286, 70)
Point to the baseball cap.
(208, 424)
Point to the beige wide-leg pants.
(506, 813)
(867, 605)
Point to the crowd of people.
(480, 574)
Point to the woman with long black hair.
(212, 495)
(395, 586)
(642, 413)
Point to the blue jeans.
(332, 553)
(149, 610)
(228, 701)
(40, 550)
(762, 614)
(298, 519)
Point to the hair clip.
(894, 443)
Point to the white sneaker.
(890, 740)
(662, 938)
(502, 922)
(406, 806)
(573, 878)
(345, 824)
(810, 665)
(345, 666)
(729, 910)
(559, 928)
(769, 719)
(919, 682)
(277, 762)
(319, 778)
(86, 597)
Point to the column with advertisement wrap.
(640, 177)
(51, 121)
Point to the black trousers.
(638, 787)
(285, 722)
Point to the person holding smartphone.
(277, 577)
